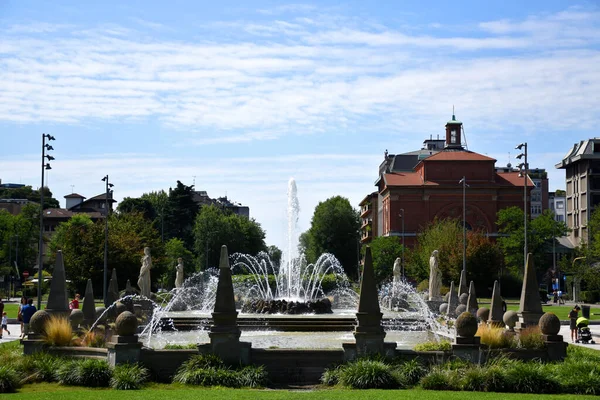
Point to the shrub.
(367, 374)
(474, 379)
(579, 375)
(9, 379)
(495, 337)
(531, 338)
(253, 376)
(433, 345)
(39, 367)
(441, 379)
(495, 379)
(128, 377)
(58, 331)
(93, 338)
(331, 376)
(90, 373)
(590, 296)
(207, 377)
(409, 373)
(530, 377)
(423, 286)
(202, 361)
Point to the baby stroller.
(583, 331)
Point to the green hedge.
(590, 296)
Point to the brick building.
(430, 188)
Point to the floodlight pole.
(41, 239)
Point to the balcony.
(366, 222)
(366, 236)
(365, 210)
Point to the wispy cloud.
(305, 72)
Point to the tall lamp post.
(524, 167)
(104, 286)
(464, 185)
(402, 257)
(45, 166)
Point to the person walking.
(573, 315)
(22, 304)
(27, 312)
(4, 324)
(1, 313)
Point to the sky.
(238, 97)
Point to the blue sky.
(241, 96)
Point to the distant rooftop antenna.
(72, 186)
(194, 181)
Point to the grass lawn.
(162, 391)
(562, 312)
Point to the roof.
(580, 151)
(415, 179)
(463, 155)
(367, 198)
(74, 196)
(64, 213)
(101, 197)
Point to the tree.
(175, 248)
(275, 255)
(215, 227)
(19, 231)
(335, 229)
(26, 192)
(82, 244)
(540, 233)
(159, 201)
(181, 210)
(141, 205)
(385, 250)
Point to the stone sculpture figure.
(397, 270)
(179, 273)
(144, 278)
(435, 277)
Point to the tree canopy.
(26, 192)
(19, 231)
(385, 250)
(180, 212)
(334, 229)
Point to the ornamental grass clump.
(209, 370)
(531, 338)
(9, 379)
(57, 331)
(331, 376)
(495, 337)
(39, 367)
(409, 373)
(368, 374)
(253, 376)
(129, 377)
(89, 372)
(441, 379)
(434, 345)
(531, 377)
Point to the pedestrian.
(22, 304)
(74, 304)
(4, 324)
(555, 297)
(560, 298)
(27, 312)
(1, 313)
(573, 315)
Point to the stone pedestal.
(557, 348)
(124, 349)
(33, 344)
(527, 319)
(228, 348)
(467, 348)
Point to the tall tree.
(19, 232)
(160, 202)
(181, 211)
(140, 205)
(540, 233)
(385, 250)
(26, 192)
(335, 229)
(215, 227)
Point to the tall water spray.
(291, 268)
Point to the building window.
(560, 218)
(560, 205)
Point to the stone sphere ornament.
(460, 309)
(120, 308)
(76, 317)
(443, 308)
(37, 323)
(466, 325)
(463, 298)
(549, 324)
(126, 324)
(510, 319)
(483, 313)
(99, 312)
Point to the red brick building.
(431, 189)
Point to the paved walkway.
(15, 333)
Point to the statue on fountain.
(179, 273)
(435, 277)
(144, 278)
(397, 270)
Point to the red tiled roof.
(458, 156)
(64, 213)
(512, 178)
(414, 179)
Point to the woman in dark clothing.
(573, 315)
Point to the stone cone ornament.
(369, 314)
(128, 289)
(530, 306)
(58, 300)
(89, 307)
(462, 284)
(225, 314)
(452, 301)
(496, 313)
(112, 294)
(472, 305)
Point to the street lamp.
(464, 185)
(45, 166)
(524, 167)
(108, 191)
(402, 257)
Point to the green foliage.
(531, 338)
(129, 377)
(434, 345)
(9, 379)
(367, 374)
(39, 367)
(26, 192)
(209, 370)
(275, 255)
(531, 377)
(180, 212)
(540, 232)
(82, 244)
(334, 229)
(384, 250)
(409, 373)
(440, 379)
(215, 227)
(171, 346)
(253, 376)
(138, 205)
(21, 230)
(175, 248)
(202, 361)
(88, 372)
(590, 296)
(331, 376)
